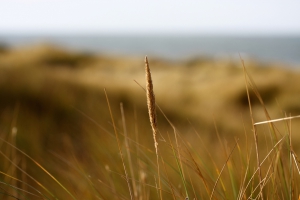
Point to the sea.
(283, 49)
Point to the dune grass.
(63, 139)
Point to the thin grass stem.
(119, 145)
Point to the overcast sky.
(152, 17)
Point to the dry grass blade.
(31, 187)
(252, 119)
(18, 190)
(277, 120)
(135, 192)
(212, 193)
(119, 145)
(168, 180)
(258, 168)
(17, 167)
(152, 114)
(198, 171)
(41, 167)
(244, 180)
(265, 180)
(296, 163)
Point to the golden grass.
(152, 116)
(151, 103)
(72, 132)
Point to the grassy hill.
(53, 108)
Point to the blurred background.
(268, 31)
(57, 56)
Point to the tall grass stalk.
(135, 192)
(180, 169)
(225, 164)
(119, 145)
(253, 127)
(290, 158)
(152, 115)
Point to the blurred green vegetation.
(53, 100)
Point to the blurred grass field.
(53, 108)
